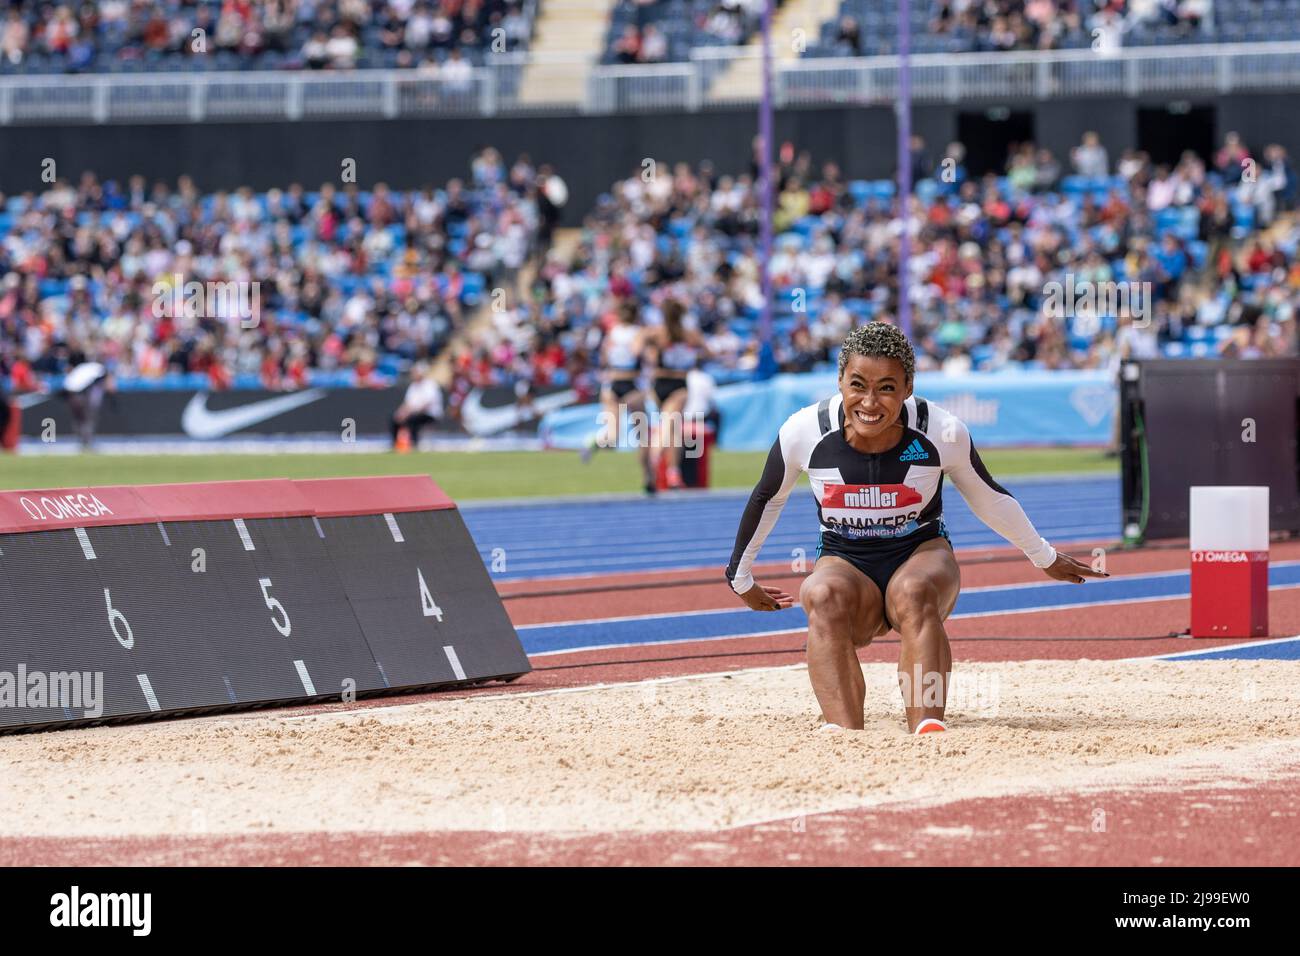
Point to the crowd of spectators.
(993, 25)
(275, 34)
(655, 31)
(38, 36)
(652, 31)
(360, 284)
(352, 285)
(1216, 247)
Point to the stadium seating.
(870, 27)
(1051, 24)
(983, 265)
(682, 25)
(360, 285)
(112, 36)
(352, 287)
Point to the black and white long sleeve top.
(893, 496)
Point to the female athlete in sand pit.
(876, 456)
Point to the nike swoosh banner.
(313, 411)
(160, 600)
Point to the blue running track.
(740, 621)
(559, 538)
(573, 537)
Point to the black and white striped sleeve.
(765, 504)
(992, 503)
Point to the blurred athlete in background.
(674, 350)
(84, 387)
(620, 360)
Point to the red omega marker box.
(1229, 551)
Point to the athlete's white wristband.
(1043, 555)
(742, 583)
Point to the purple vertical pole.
(904, 111)
(765, 177)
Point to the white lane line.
(958, 616)
(1218, 647)
(455, 661)
(243, 534)
(148, 691)
(303, 676)
(320, 532)
(633, 617)
(675, 640)
(392, 526)
(86, 547)
(1092, 604)
(162, 530)
(953, 617)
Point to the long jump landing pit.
(1047, 762)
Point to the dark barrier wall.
(121, 603)
(337, 411)
(221, 414)
(1188, 422)
(590, 152)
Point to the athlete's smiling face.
(874, 390)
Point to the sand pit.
(682, 754)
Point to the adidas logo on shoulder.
(915, 452)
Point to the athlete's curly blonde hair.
(878, 340)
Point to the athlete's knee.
(826, 597)
(914, 599)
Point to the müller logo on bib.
(869, 496)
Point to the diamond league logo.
(1093, 403)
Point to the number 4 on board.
(427, 603)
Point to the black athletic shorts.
(621, 387)
(882, 558)
(666, 386)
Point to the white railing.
(674, 87)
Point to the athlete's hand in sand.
(762, 598)
(1066, 568)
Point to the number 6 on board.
(114, 616)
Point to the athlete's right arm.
(764, 507)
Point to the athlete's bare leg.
(607, 436)
(845, 612)
(670, 427)
(635, 403)
(918, 599)
(612, 408)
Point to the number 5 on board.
(276, 608)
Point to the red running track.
(1253, 826)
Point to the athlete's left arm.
(999, 509)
